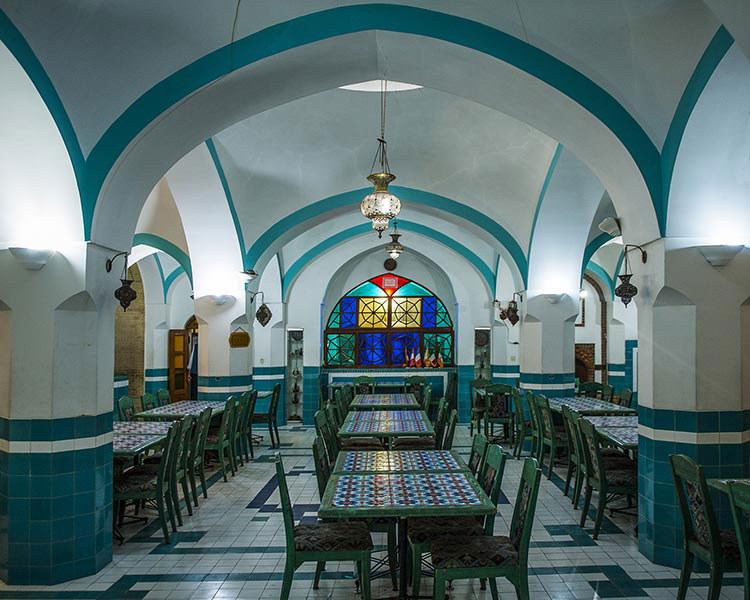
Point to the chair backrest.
(698, 518)
(364, 385)
(252, 400)
(323, 430)
(274, 406)
(321, 392)
(497, 401)
(126, 408)
(450, 389)
(491, 479)
(518, 405)
(571, 430)
(608, 393)
(182, 444)
(592, 389)
(168, 449)
(200, 433)
(626, 397)
(226, 419)
(590, 446)
(240, 407)
(322, 466)
(162, 397)
(478, 451)
(450, 431)
(442, 417)
(533, 413)
(148, 401)
(545, 417)
(523, 512)
(414, 384)
(286, 507)
(342, 406)
(739, 501)
(338, 412)
(347, 393)
(426, 397)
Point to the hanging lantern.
(626, 291)
(263, 315)
(395, 248)
(512, 312)
(380, 205)
(125, 294)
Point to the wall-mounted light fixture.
(510, 312)
(32, 259)
(626, 291)
(250, 274)
(719, 255)
(263, 314)
(583, 293)
(125, 294)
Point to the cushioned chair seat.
(152, 459)
(618, 462)
(477, 551)
(729, 543)
(426, 529)
(138, 479)
(212, 440)
(361, 444)
(332, 537)
(622, 477)
(414, 444)
(260, 418)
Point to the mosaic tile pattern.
(134, 444)
(624, 421)
(417, 490)
(374, 400)
(627, 437)
(385, 427)
(140, 427)
(583, 405)
(185, 407)
(233, 547)
(407, 460)
(387, 415)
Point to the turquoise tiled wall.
(120, 389)
(508, 374)
(156, 379)
(310, 393)
(465, 375)
(264, 379)
(552, 385)
(236, 384)
(616, 375)
(629, 383)
(55, 506)
(659, 524)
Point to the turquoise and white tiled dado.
(220, 387)
(155, 380)
(552, 385)
(264, 379)
(507, 374)
(120, 388)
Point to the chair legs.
(270, 433)
(286, 585)
(439, 587)
(599, 513)
(193, 487)
(319, 568)
(186, 494)
(569, 475)
(163, 519)
(586, 503)
(202, 475)
(393, 556)
(687, 569)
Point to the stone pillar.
(505, 367)
(615, 350)
(222, 371)
(56, 374)
(548, 345)
(157, 347)
(269, 356)
(694, 397)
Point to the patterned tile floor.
(233, 547)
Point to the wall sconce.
(32, 259)
(583, 294)
(626, 291)
(125, 294)
(250, 274)
(222, 299)
(263, 314)
(511, 311)
(720, 256)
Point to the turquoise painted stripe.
(543, 192)
(345, 20)
(168, 247)
(599, 271)
(223, 380)
(591, 249)
(157, 372)
(269, 370)
(548, 378)
(353, 198)
(506, 368)
(161, 275)
(715, 421)
(714, 53)
(25, 56)
(228, 193)
(171, 278)
(50, 430)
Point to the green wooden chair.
(321, 543)
(450, 431)
(125, 408)
(498, 410)
(426, 404)
(478, 404)
(246, 426)
(739, 501)
(553, 436)
(218, 441)
(323, 431)
(611, 479)
(235, 429)
(576, 462)
(269, 418)
(626, 397)
(179, 466)
(414, 384)
(608, 393)
(197, 453)
(489, 556)
(477, 454)
(522, 426)
(149, 482)
(162, 397)
(341, 406)
(364, 385)
(536, 425)
(450, 388)
(719, 549)
(423, 443)
(148, 401)
(321, 392)
(590, 389)
(422, 532)
(376, 525)
(347, 393)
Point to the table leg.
(402, 551)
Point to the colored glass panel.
(348, 312)
(373, 313)
(402, 345)
(411, 289)
(334, 321)
(442, 318)
(406, 312)
(439, 342)
(367, 289)
(340, 349)
(429, 311)
(371, 350)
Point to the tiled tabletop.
(377, 401)
(141, 427)
(386, 415)
(354, 427)
(398, 461)
(177, 410)
(589, 406)
(625, 437)
(130, 445)
(611, 421)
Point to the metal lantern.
(626, 290)
(512, 312)
(125, 294)
(263, 315)
(395, 248)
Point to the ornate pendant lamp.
(125, 293)
(395, 248)
(380, 206)
(626, 291)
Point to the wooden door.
(179, 389)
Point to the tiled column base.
(221, 387)
(264, 379)
(55, 498)
(507, 374)
(630, 345)
(616, 376)
(719, 441)
(552, 385)
(310, 393)
(465, 375)
(156, 379)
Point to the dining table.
(614, 421)
(177, 410)
(622, 437)
(589, 406)
(355, 426)
(132, 438)
(402, 485)
(722, 484)
(384, 402)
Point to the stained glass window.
(389, 321)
